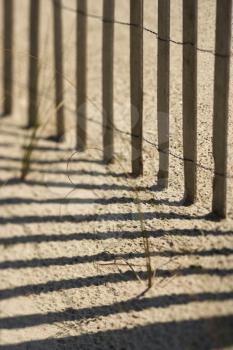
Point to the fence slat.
(107, 74)
(136, 81)
(33, 63)
(8, 57)
(58, 64)
(81, 73)
(163, 90)
(190, 98)
(221, 105)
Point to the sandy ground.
(71, 249)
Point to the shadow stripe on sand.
(202, 334)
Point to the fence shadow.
(207, 333)
(107, 257)
(124, 235)
(163, 301)
(134, 216)
(66, 284)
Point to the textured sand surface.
(71, 250)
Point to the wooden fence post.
(8, 57)
(190, 98)
(221, 105)
(107, 76)
(81, 74)
(136, 82)
(58, 64)
(33, 63)
(163, 90)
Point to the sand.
(72, 262)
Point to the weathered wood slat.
(190, 98)
(58, 64)
(221, 105)
(107, 76)
(136, 80)
(33, 63)
(8, 57)
(163, 90)
(81, 78)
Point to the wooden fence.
(190, 37)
